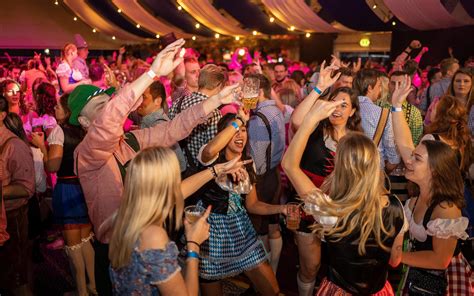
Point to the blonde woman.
(362, 224)
(143, 259)
(69, 77)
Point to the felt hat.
(79, 41)
(79, 98)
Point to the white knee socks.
(276, 245)
(88, 255)
(75, 256)
(305, 289)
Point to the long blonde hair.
(152, 195)
(356, 189)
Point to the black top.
(317, 158)
(72, 137)
(366, 274)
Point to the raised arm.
(325, 81)
(403, 138)
(292, 158)
(401, 58)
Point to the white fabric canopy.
(141, 16)
(296, 13)
(206, 14)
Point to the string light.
(75, 19)
(272, 19)
(194, 38)
(254, 33)
(138, 26)
(179, 7)
(217, 35)
(237, 38)
(94, 30)
(308, 35)
(157, 36)
(374, 7)
(113, 37)
(119, 10)
(197, 25)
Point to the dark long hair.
(76, 133)
(446, 181)
(353, 122)
(45, 97)
(15, 125)
(451, 122)
(221, 125)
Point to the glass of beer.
(293, 216)
(250, 91)
(193, 213)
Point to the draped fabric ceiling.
(134, 21)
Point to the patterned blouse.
(145, 271)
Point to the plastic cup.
(193, 213)
(293, 217)
(250, 92)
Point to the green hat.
(80, 96)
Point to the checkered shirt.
(460, 277)
(202, 133)
(415, 120)
(370, 114)
(259, 138)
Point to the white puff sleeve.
(199, 157)
(56, 137)
(446, 228)
(311, 207)
(63, 70)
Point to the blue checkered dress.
(233, 246)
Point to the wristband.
(213, 171)
(194, 243)
(235, 125)
(396, 109)
(238, 117)
(151, 74)
(317, 90)
(192, 254)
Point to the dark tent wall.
(461, 40)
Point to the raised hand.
(122, 50)
(231, 166)
(321, 110)
(356, 66)
(229, 94)
(37, 139)
(415, 44)
(401, 92)
(168, 58)
(325, 81)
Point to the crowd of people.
(375, 165)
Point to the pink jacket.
(97, 168)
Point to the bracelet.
(151, 74)
(192, 254)
(396, 109)
(407, 52)
(238, 117)
(213, 171)
(235, 125)
(194, 243)
(317, 90)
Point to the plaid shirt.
(414, 119)
(259, 138)
(202, 133)
(370, 114)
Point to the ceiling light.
(197, 25)
(75, 19)
(157, 36)
(179, 7)
(138, 26)
(254, 33)
(56, 3)
(374, 7)
(241, 52)
(237, 38)
(113, 37)
(394, 23)
(94, 30)
(272, 19)
(217, 35)
(292, 28)
(119, 10)
(308, 35)
(194, 38)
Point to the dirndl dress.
(233, 246)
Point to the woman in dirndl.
(436, 222)
(69, 206)
(233, 246)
